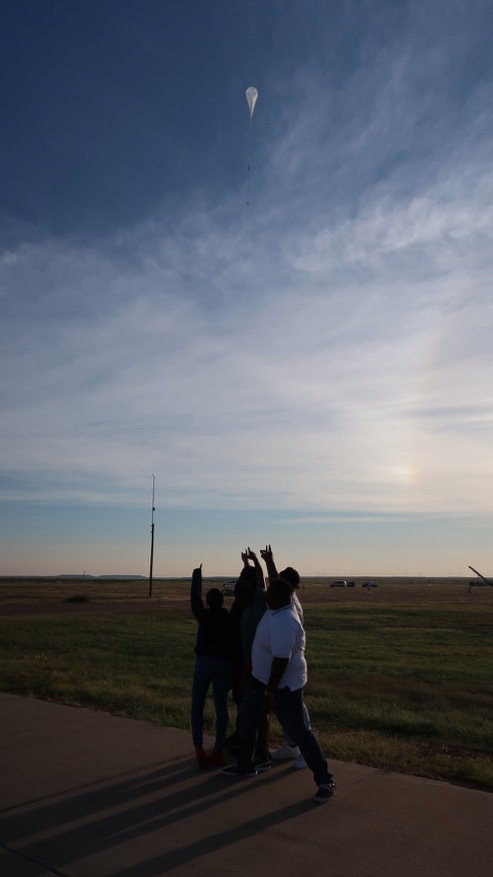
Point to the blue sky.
(301, 354)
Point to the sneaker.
(325, 792)
(234, 771)
(202, 758)
(216, 759)
(299, 763)
(286, 751)
(263, 763)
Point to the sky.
(288, 322)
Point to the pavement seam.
(40, 864)
(115, 776)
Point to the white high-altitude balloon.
(251, 95)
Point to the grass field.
(399, 678)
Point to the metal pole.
(152, 538)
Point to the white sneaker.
(286, 751)
(299, 763)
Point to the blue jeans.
(250, 712)
(292, 714)
(215, 671)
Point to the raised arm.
(196, 594)
(268, 558)
(258, 569)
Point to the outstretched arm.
(196, 594)
(268, 558)
(258, 569)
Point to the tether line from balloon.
(249, 161)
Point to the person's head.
(214, 598)
(279, 594)
(248, 574)
(244, 593)
(290, 575)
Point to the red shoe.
(202, 758)
(216, 759)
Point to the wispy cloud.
(327, 347)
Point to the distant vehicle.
(350, 584)
(369, 584)
(229, 588)
(339, 583)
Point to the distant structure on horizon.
(74, 575)
(78, 575)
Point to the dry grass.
(174, 592)
(399, 676)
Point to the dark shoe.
(202, 758)
(263, 763)
(234, 771)
(216, 759)
(325, 792)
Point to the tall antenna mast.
(152, 538)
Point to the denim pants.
(215, 671)
(291, 711)
(292, 714)
(250, 711)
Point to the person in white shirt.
(279, 674)
(288, 748)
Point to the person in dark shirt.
(213, 665)
(244, 592)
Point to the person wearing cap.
(213, 666)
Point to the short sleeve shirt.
(280, 634)
(298, 606)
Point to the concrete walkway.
(85, 794)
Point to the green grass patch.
(401, 687)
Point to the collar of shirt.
(275, 611)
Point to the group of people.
(256, 650)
